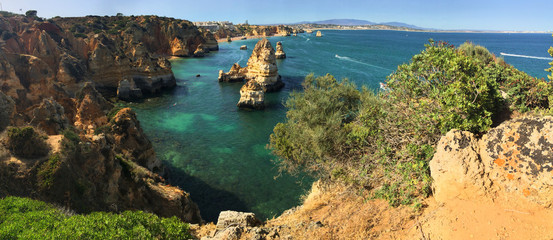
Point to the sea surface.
(218, 153)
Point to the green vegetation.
(384, 141)
(26, 142)
(22, 218)
(47, 170)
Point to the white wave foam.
(524, 56)
(359, 62)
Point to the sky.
(503, 15)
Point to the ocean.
(218, 153)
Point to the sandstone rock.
(91, 109)
(456, 166)
(319, 34)
(50, 117)
(128, 91)
(243, 47)
(262, 67)
(240, 219)
(131, 141)
(235, 74)
(279, 54)
(518, 156)
(251, 96)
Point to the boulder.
(319, 34)
(518, 156)
(239, 219)
(456, 165)
(279, 54)
(50, 117)
(251, 96)
(243, 47)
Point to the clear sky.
(519, 15)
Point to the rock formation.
(243, 47)
(319, 34)
(55, 58)
(515, 158)
(231, 225)
(261, 75)
(55, 74)
(251, 96)
(279, 54)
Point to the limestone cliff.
(55, 75)
(54, 58)
(279, 54)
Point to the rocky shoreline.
(56, 76)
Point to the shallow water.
(217, 153)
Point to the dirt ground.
(338, 212)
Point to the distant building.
(215, 25)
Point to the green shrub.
(22, 218)
(26, 142)
(47, 170)
(477, 51)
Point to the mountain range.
(357, 22)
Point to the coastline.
(222, 40)
(432, 31)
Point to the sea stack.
(319, 34)
(261, 75)
(251, 96)
(279, 54)
(262, 67)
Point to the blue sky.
(521, 15)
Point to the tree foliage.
(384, 141)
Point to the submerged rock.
(279, 54)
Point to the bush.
(477, 51)
(384, 142)
(26, 142)
(47, 171)
(22, 218)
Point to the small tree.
(551, 63)
(31, 13)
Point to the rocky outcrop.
(261, 75)
(91, 109)
(50, 117)
(319, 34)
(131, 142)
(231, 225)
(251, 96)
(279, 54)
(243, 47)
(128, 91)
(515, 158)
(235, 74)
(456, 166)
(54, 59)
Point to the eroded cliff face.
(39, 58)
(55, 75)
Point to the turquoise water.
(217, 153)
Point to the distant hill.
(400, 24)
(344, 22)
(357, 22)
